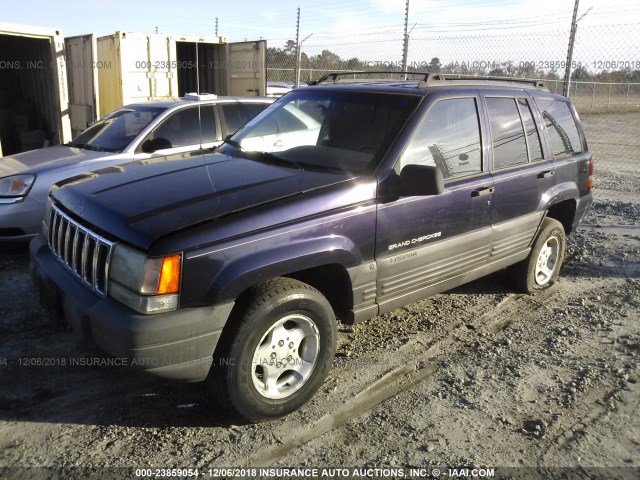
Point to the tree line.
(326, 60)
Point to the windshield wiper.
(86, 146)
(272, 159)
(94, 148)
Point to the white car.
(277, 89)
(134, 132)
(287, 127)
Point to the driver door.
(426, 244)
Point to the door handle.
(278, 143)
(483, 191)
(546, 174)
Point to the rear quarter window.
(237, 114)
(561, 126)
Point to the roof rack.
(438, 77)
(429, 79)
(200, 96)
(333, 76)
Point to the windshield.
(326, 130)
(115, 132)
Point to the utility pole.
(567, 73)
(298, 59)
(405, 45)
(216, 26)
(297, 73)
(572, 39)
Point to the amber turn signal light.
(170, 275)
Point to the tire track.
(394, 382)
(400, 379)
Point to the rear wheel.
(541, 268)
(279, 352)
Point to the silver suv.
(134, 132)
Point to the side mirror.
(151, 146)
(420, 180)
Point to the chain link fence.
(604, 83)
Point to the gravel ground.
(478, 377)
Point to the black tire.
(541, 268)
(277, 353)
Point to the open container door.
(147, 61)
(82, 70)
(34, 103)
(246, 68)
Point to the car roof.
(423, 87)
(181, 102)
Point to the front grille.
(82, 251)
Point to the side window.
(448, 137)
(533, 136)
(563, 132)
(509, 144)
(183, 127)
(282, 121)
(237, 114)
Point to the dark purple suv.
(341, 200)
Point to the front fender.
(244, 271)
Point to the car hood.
(44, 159)
(141, 202)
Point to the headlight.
(16, 185)
(148, 285)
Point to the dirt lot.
(478, 377)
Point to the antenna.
(197, 69)
(198, 91)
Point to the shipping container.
(34, 109)
(109, 72)
(82, 71)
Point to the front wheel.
(541, 268)
(278, 353)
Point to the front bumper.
(20, 221)
(178, 345)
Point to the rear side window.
(448, 137)
(563, 132)
(509, 144)
(237, 114)
(182, 128)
